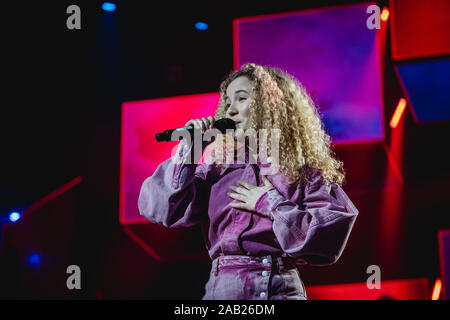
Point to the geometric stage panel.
(141, 153)
(419, 29)
(427, 86)
(333, 54)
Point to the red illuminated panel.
(419, 28)
(404, 289)
(141, 153)
(444, 260)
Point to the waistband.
(266, 262)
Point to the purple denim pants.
(239, 277)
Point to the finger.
(239, 205)
(205, 124)
(193, 123)
(199, 124)
(236, 196)
(246, 184)
(239, 190)
(266, 181)
(211, 121)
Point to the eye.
(242, 98)
(227, 105)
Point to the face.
(238, 100)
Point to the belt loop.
(274, 263)
(280, 263)
(273, 271)
(216, 271)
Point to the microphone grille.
(224, 124)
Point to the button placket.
(265, 279)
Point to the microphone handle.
(167, 135)
(222, 125)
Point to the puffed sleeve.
(176, 194)
(314, 229)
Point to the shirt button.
(265, 273)
(269, 160)
(262, 294)
(265, 261)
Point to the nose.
(232, 111)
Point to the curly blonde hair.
(280, 101)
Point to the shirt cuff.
(268, 202)
(183, 167)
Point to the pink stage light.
(398, 113)
(384, 14)
(437, 289)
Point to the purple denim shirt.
(308, 222)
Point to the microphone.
(222, 125)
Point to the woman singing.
(257, 224)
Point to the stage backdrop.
(330, 51)
(333, 54)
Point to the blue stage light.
(201, 26)
(14, 216)
(34, 259)
(109, 6)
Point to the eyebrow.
(237, 91)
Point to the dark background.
(63, 91)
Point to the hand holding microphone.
(202, 124)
